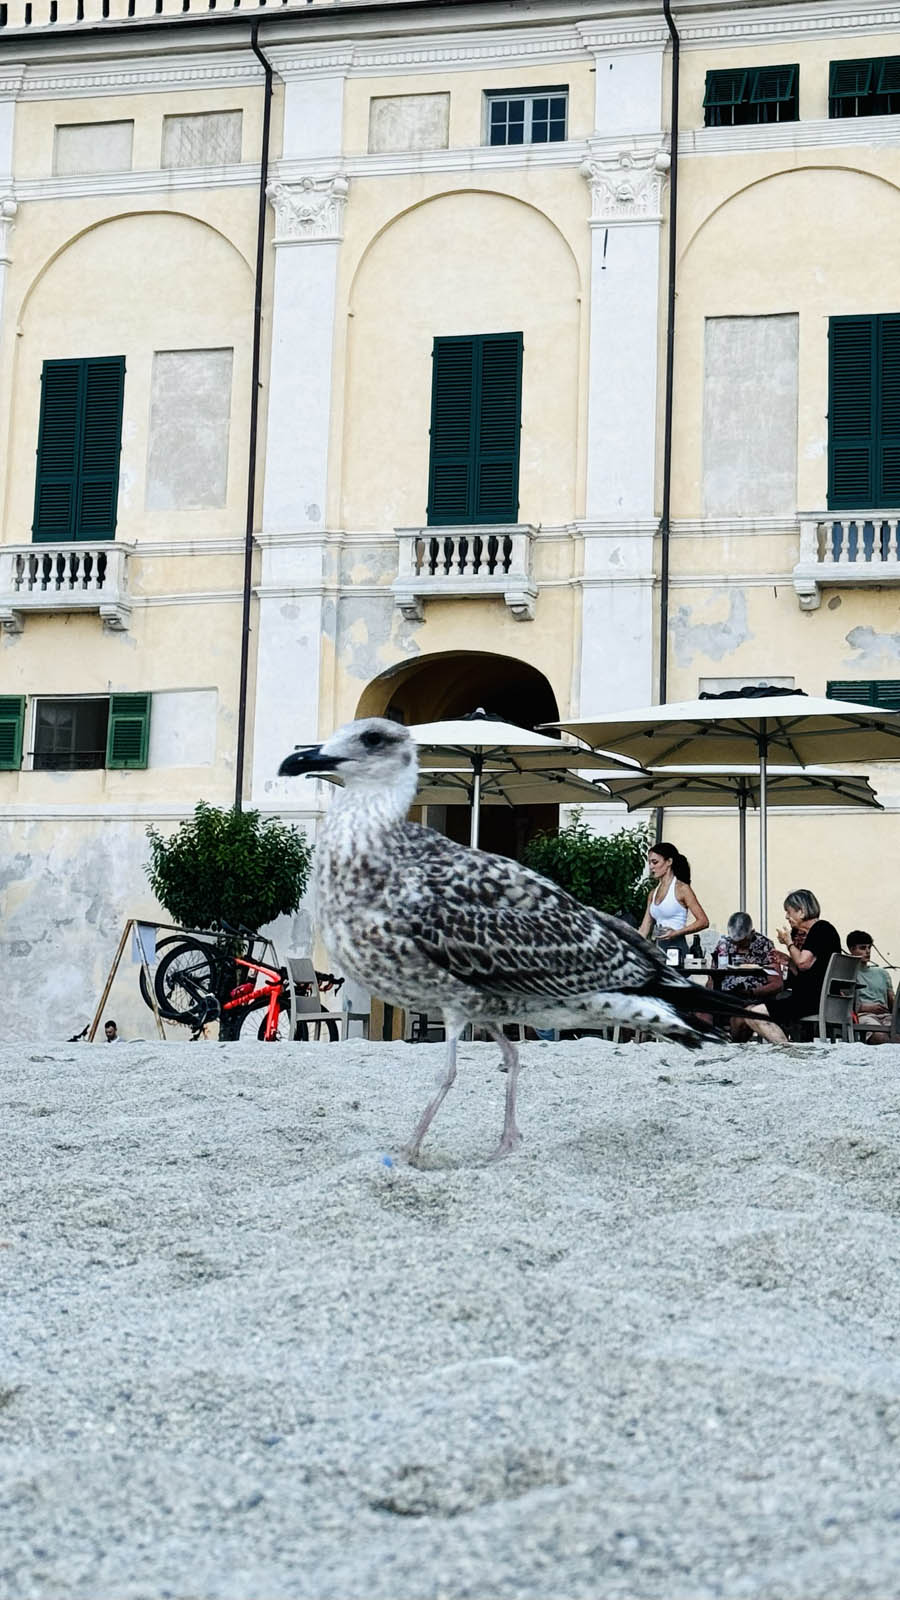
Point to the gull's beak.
(308, 759)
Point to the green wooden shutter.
(499, 428)
(452, 466)
(887, 439)
(848, 82)
(476, 407)
(852, 411)
(881, 692)
(774, 86)
(58, 450)
(101, 446)
(12, 726)
(726, 87)
(128, 733)
(79, 441)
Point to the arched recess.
(771, 177)
(467, 262)
(130, 285)
(768, 251)
(450, 684)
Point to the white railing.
(15, 14)
(465, 563)
(846, 547)
(88, 576)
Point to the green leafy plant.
(228, 866)
(609, 873)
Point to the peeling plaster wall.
(67, 887)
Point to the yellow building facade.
(461, 326)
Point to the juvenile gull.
(430, 925)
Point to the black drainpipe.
(665, 520)
(254, 425)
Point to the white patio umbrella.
(796, 729)
(489, 744)
(679, 787)
(443, 787)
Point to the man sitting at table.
(874, 994)
(743, 946)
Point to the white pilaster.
(10, 86)
(626, 189)
(309, 222)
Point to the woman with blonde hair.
(803, 965)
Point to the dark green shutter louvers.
(476, 413)
(849, 80)
(128, 732)
(773, 85)
(851, 411)
(881, 692)
(725, 88)
(864, 413)
(79, 441)
(12, 727)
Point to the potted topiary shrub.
(228, 867)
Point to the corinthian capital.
(8, 209)
(309, 209)
(627, 185)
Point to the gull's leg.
(510, 1138)
(412, 1149)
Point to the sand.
(654, 1353)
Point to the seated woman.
(804, 967)
(741, 946)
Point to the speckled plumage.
(431, 925)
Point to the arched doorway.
(450, 684)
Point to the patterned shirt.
(760, 951)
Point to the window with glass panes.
(538, 117)
(738, 96)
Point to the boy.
(874, 995)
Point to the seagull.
(431, 925)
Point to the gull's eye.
(372, 740)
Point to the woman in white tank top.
(673, 911)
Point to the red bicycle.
(192, 987)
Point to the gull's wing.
(503, 929)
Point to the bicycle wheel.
(255, 1016)
(187, 975)
(161, 944)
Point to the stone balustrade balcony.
(840, 548)
(466, 563)
(87, 576)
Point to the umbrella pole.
(742, 848)
(477, 764)
(763, 834)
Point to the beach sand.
(654, 1353)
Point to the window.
(881, 692)
(864, 88)
(537, 117)
(103, 731)
(863, 412)
(476, 404)
(202, 139)
(79, 439)
(741, 95)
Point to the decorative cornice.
(153, 180)
(309, 211)
(626, 186)
(8, 209)
(131, 75)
